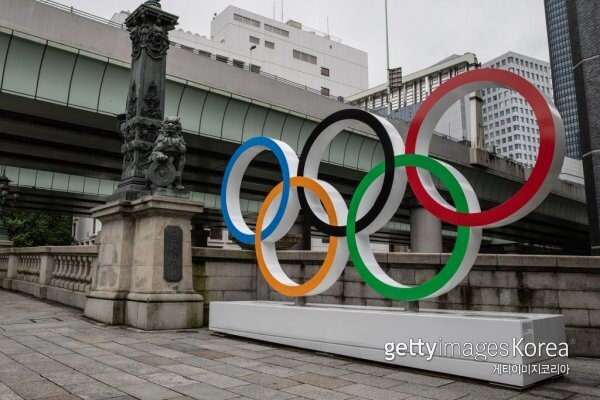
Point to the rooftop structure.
(456, 123)
(289, 51)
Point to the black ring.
(388, 177)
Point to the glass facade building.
(562, 71)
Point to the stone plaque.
(173, 249)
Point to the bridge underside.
(68, 160)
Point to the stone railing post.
(46, 269)
(11, 273)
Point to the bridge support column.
(425, 237)
(144, 273)
(425, 231)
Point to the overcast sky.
(422, 32)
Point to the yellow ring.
(308, 286)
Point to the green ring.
(462, 238)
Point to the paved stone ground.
(51, 352)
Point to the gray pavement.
(49, 351)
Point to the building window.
(274, 29)
(254, 40)
(255, 68)
(238, 63)
(222, 59)
(324, 71)
(269, 45)
(203, 53)
(298, 55)
(246, 20)
(324, 91)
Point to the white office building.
(288, 51)
(510, 127)
(458, 122)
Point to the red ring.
(539, 173)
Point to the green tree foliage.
(28, 229)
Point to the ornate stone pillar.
(148, 26)
(144, 273)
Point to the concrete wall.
(511, 283)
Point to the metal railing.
(81, 13)
(184, 47)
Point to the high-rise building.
(562, 71)
(510, 127)
(457, 122)
(584, 30)
(288, 51)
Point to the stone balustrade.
(63, 273)
(73, 272)
(28, 267)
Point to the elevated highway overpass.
(65, 77)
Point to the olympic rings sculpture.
(380, 192)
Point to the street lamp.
(251, 48)
(7, 196)
(387, 56)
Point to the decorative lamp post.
(251, 50)
(148, 28)
(143, 277)
(8, 196)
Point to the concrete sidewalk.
(51, 352)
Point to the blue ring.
(271, 145)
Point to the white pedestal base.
(362, 332)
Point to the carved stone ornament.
(168, 156)
(132, 101)
(152, 103)
(162, 174)
(147, 131)
(127, 133)
(152, 38)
